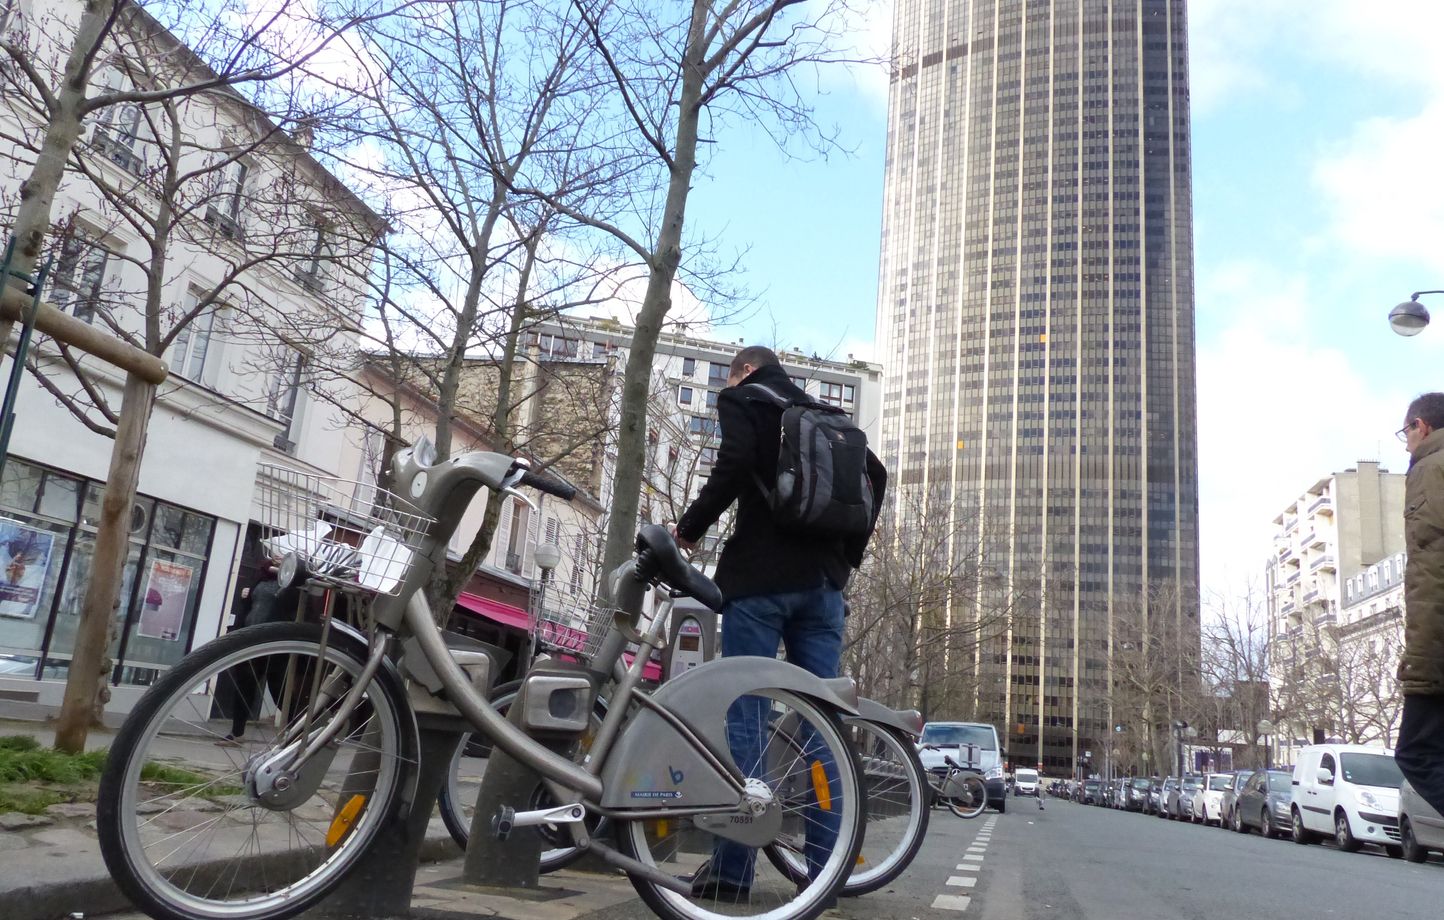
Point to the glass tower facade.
(1036, 320)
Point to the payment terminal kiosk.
(691, 638)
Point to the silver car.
(1421, 828)
(1264, 803)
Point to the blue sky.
(1318, 129)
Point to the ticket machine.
(691, 638)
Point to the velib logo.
(677, 775)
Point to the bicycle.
(338, 758)
(960, 788)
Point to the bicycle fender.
(907, 721)
(653, 766)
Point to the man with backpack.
(808, 493)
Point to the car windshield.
(1191, 783)
(951, 735)
(1090, 785)
(1142, 783)
(1280, 782)
(1371, 770)
(1026, 776)
(1219, 783)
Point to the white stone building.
(266, 245)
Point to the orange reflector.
(821, 787)
(661, 827)
(344, 819)
(860, 860)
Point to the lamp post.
(1266, 728)
(1178, 727)
(1410, 317)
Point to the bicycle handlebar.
(564, 491)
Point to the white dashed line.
(951, 902)
(972, 857)
(963, 881)
(969, 867)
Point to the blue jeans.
(809, 625)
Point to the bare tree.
(1155, 663)
(167, 56)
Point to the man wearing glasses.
(1420, 751)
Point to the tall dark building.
(1036, 320)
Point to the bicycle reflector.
(821, 787)
(344, 819)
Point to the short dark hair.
(757, 356)
(1428, 408)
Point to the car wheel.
(1301, 835)
(1410, 849)
(1238, 826)
(1204, 818)
(1343, 834)
(1266, 823)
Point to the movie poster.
(163, 605)
(24, 562)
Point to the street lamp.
(1410, 317)
(1266, 728)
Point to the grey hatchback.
(1264, 802)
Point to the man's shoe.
(722, 892)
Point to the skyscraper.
(1035, 317)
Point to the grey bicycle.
(264, 829)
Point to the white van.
(1349, 792)
(950, 737)
(1025, 781)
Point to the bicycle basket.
(347, 533)
(567, 621)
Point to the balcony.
(1328, 617)
(1311, 595)
(1321, 505)
(1285, 553)
(1287, 607)
(1293, 576)
(1324, 563)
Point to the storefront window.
(47, 544)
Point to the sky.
(1318, 134)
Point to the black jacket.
(759, 558)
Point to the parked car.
(1165, 797)
(1264, 803)
(1421, 828)
(1025, 782)
(950, 736)
(1135, 796)
(1230, 796)
(1349, 792)
(1207, 803)
(1092, 792)
(1180, 805)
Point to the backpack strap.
(772, 395)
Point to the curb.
(95, 893)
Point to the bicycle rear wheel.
(183, 828)
(971, 794)
(898, 798)
(812, 774)
(457, 799)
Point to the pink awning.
(505, 614)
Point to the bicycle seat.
(659, 557)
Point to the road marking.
(977, 849)
(972, 857)
(951, 902)
(969, 867)
(963, 881)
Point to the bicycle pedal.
(503, 822)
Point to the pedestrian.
(266, 602)
(780, 585)
(1420, 751)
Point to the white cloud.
(1276, 414)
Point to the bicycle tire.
(976, 800)
(787, 900)
(173, 714)
(451, 803)
(891, 770)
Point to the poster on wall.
(24, 561)
(163, 605)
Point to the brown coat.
(1421, 670)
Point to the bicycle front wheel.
(971, 794)
(897, 811)
(184, 828)
(812, 775)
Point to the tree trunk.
(666, 256)
(85, 690)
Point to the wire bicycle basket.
(348, 533)
(566, 621)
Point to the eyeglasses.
(1403, 433)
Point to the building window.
(704, 426)
(684, 396)
(283, 395)
(79, 275)
(707, 457)
(117, 136)
(831, 393)
(193, 342)
(516, 537)
(577, 559)
(717, 375)
(711, 399)
(224, 213)
(689, 366)
(849, 393)
(310, 273)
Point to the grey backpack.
(822, 485)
